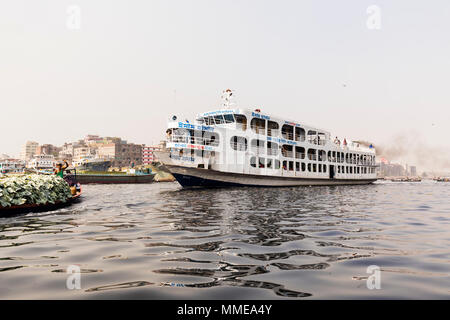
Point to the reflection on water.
(158, 241)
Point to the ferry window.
(300, 134)
(277, 164)
(238, 143)
(297, 166)
(300, 152)
(210, 121)
(334, 156)
(320, 168)
(272, 128)
(314, 167)
(339, 169)
(324, 168)
(312, 137)
(287, 132)
(342, 157)
(286, 151)
(329, 156)
(269, 163)
(272, 148)
(303, 166)
(253, 162)
(322, 155)
(309, 167)
(262, 163)
(291, 165)
(219, 119)
(312, 154)
(321, 138)
(211, 138)
(241, 121)
(285, 165)
(258, 146)
(228, 118)
(258, 125)
(347, 170)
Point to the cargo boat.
(110, 178)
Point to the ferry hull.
(194, 177)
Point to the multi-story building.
(11, 165)
(121, 154)
(81, 152)
(47, 149)
(147, 154)
(28, 150)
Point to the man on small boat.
(59, 170)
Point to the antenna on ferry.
(227, 98)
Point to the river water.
(158, 241)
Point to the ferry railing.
(259, 130)
(312, 157)
(272, 151)
(287, 135)
(287, 154)
(299, 155)
(241, 126)
(239, 146)
(193, 140)
(300, 138)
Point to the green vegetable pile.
(32, 189)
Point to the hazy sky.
(313, 61)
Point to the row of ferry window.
(267, 127)
(240, 144)
(302, 166)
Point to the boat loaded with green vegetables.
(33, 192)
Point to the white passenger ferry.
(240, 147)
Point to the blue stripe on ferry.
(192, 126)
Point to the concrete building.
(81, 152)
(48, 149)
(147, 154)
(121, 154)
(28, 150)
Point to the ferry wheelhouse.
(241, 147)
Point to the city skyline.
(128, 67)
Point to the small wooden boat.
(27, 208)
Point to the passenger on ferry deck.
(345, 142)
